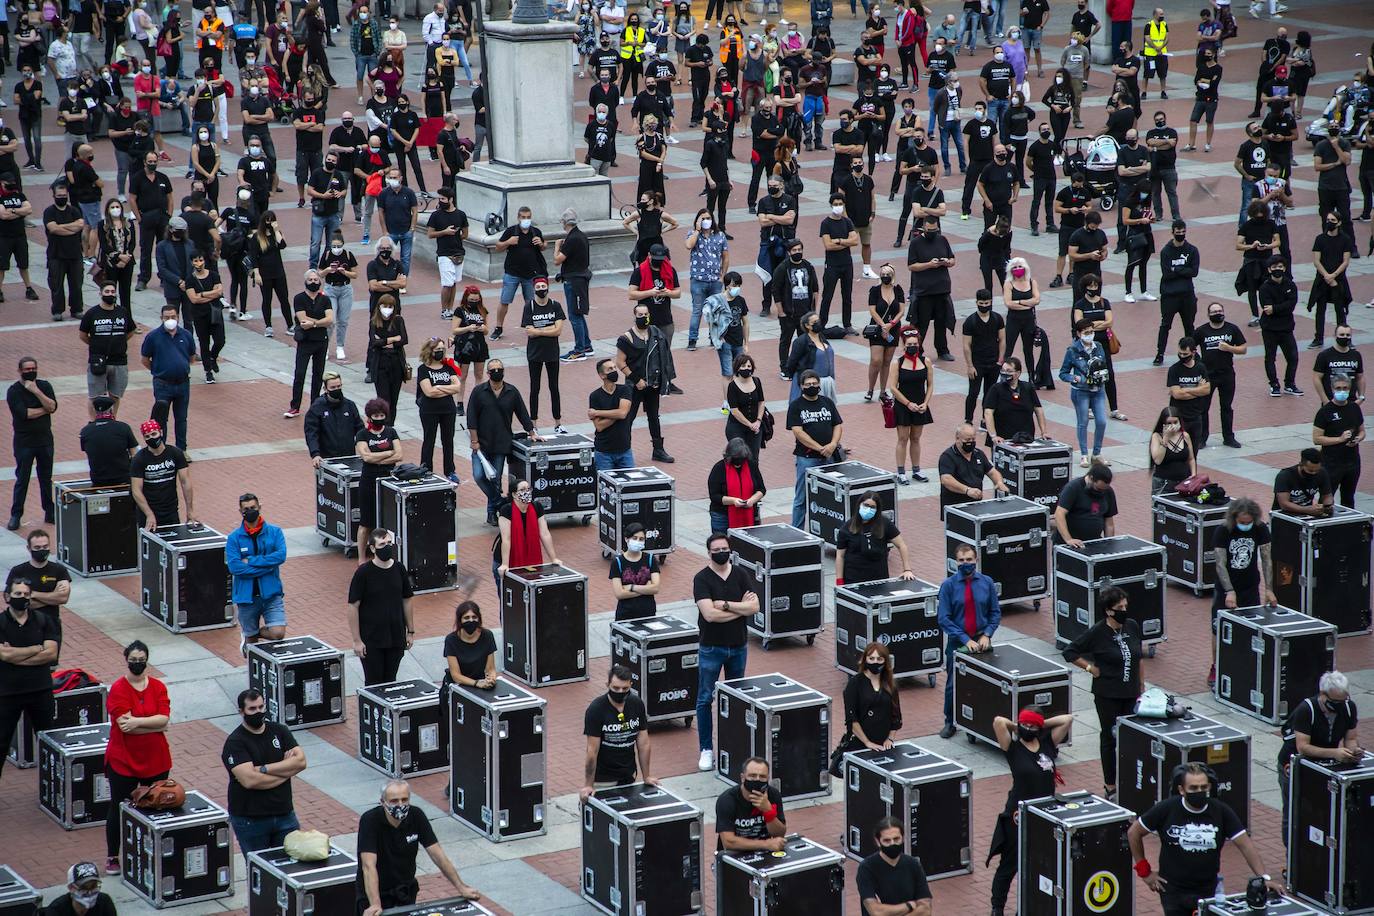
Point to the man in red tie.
(969, 615)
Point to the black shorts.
(1157, 66)
(1064, 233)
(17, 246)
(1201, 108)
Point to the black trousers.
(700, 90)
(985, 377)
(1224, 393)
(1196, 427)
(756, 170)
(924, 310)
(649, 398)
(64, 284)
(270, 285)
(975, 169)
(716, 200)
(537, 370)
(310, 353)
(1178, 904)
(153, 230)
(413, 154)
(121, 787)
(1021, 325)
(1344, 477)
(1321, 296)
(1185, 307)
(907, 55)
(388, 375)
(38, 704)
(843, 276)
(380, 665)
(1043, 188)
(1006, 868)
(788, 327)
(441, 424)
(210, 339)
(1274, 341)
(1108, 710)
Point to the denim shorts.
(1030, 38)
(728, 353)
(92, 214)
(264, 612)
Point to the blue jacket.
(986, 607)
(1075, 367)
(257, 558)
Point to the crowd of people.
(773, 87)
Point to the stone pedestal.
(1103, 51)
(529, 125)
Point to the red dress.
(145, 755)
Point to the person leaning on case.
(750, 816)
(1322, 727)
(261, 757)
(968, 612)
(1110, 651)
(389, 839)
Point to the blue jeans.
(720, 521)
(404, 240)
(997, 110)
(700, 289)
(462, 58)
(509, 284)
(999, 11)
(710, 661)
(364, 64)
(264, 831)
(1247, 194)
(728, 353)
(575, 292)
(321, 228)
(799, 489)
(178, 397)
(612, 461)
(490, 486)
(1095, 401)
(946, 132)
(931, 92)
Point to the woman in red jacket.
(137, 753)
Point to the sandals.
(1118, 415)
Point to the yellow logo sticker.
(1100, 891)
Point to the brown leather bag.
(162, 795)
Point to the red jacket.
(1120, 10)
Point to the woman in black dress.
(386, 341)
(470, 350)
(886, 302)
(911, 379)
(652, 151)
(205, 163)
(263, 259)
(1110, 651)
(1031, 744)
(649, 221)
(862, 544)
(1140, 241)
(744, 402)
(379, 446)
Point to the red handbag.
(889, 406)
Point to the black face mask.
(1045, 134)
(137, 668)
(1180, 237)
(984, 307)
(335, 395)
(891, 851)
(385, 552)
(251, 516)
(641, 321)
(1216, 319)
(720, 557)
(755, 785)
(796, 257)
(1334, 705)
(775, 192)
(966, 447)
(1343, 341)
(254, 720)
(109, 300)
(745, 372)
(312, 286)
(930, 233)
(1196, 799)
(496, 375)
(812, 391)
(887, 279)
(40, 555)
(612, 376)
(875, 667)
(1027, 734)
(912, 349)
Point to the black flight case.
(497, 784)
(544, 624)
(560, 471)
(423, 514)
(641, 852)
(833, 492)
(1236, 905)
(1148, 750)
(931, 796)
(1321, 566)
(302, 679)
(1185, 529)
(449, 906)
(278, 885)
(1330, 822)
(1012, 537)
(1126, 561)
(82, 706)
(1074, 857)
(338, 506)
(185, 578)
(402, 728)
(1269, 659)
(17, 896)
(1003, 681)
(644, 495)
(179, 855)
(72, 787)
(1036, 470)
(661, 653)
(805, 879)
(900, 614)
(784, 722)
(785, 565)
(97, 528)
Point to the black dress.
(887, 311)
(912, 384)
(650, 178)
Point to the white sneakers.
(1128, 297)
(339, 353)
(1149, 297)
(869, 274)
(706, 762)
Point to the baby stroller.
(1095, 157)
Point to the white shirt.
(63, 57)
(433, 29)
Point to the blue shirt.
(396, 206)
(171, 354)
(951, 607)
(707, 255)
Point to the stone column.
(1103, 52)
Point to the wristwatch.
(263, 769)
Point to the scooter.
(1346, 108)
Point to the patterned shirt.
(707, 256)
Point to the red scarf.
(742, 488)
(253, 529)
(525, 548)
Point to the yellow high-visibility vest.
(632, 43)
(1156, 31)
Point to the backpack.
(67, 679)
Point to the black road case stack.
(185, 578)
(72, 787)
(644, 495)
(1269, 659)
(1185, 529)
(930, 795)
(1330, 822)
(1074, 857)
(497, 781)
(423, 514)
(1126, 561)
(177, 856)
(278, 885)
(1036, 470)
(785, 565)
(833, 492)
(403, 728)
(449, 906)
(1321, 566)
(97, 528)
(805, 879)
(1002, 682)
(302, 679)
(338, 505)
(1148, 750)
(661, 653)
(560, 471)
(82, 706)
(641, 852)
(1012, 537)
(784, 722)
(544, 624)
(17, 896)
(1236, 905)
(899, 613)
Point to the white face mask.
(71, 93)
(1088, 337)
(393, 182)
(734, 291)
(147, 69)
(706, 224)
(386, 311)
(170, 324)
(336, 249)
(204, 135)
(116, 212)
(253, 90)
(838, 210)
(245, 195)
(362, 17)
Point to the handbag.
(766, 424)
(1113, 342)
(1192, 486)
(872, 331)
(163, 795)
(847, 743)
(374, 184)
(889, 406)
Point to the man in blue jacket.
(254, 552)
(968, 614)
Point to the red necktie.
(970, 611)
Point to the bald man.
(963, 466)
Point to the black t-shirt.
(1163, 158)
(1130, 157)
(343, 260)
(1322, 727)
(899, 882)
(348, 139)
(379, 594)
(1040, 155)
(708, 584)
(1189, 377)
(242, 746)
(75, 127)
(735, 815)
(779, 206)
(1332, 179)
(472, 656)
(1258, 230)
(1072, 197)
(634, 572)
(314, 308)
(600, 137)
(1302, 490)
(396, 849)
(998, 77)
(1334, 419)
(968, 469)
(1033, 13)
(1190, 842)
(817, 419)
(257, 171)
(618, 731)
(40, 579)
(324, 180)
(935, 281)
(842, 137)
(837, 227)
(11, 200)
(309, 141)
(1083, 22)
(108, 330)
(865, 553)
(1242, 552)
(700, 54)
(540, 316)
(1207, 82)
(858, 199)
(449, 246)
(1209, 337)
(938, 68)
(998, 181)
(37, 629)
(523, 259)
(1032, 772)
(405, 122)
(67, 247)
(1254, 158)
(1013, 409)
(1330, 361)
(1086, 240)
(159, 476)
(1331, 250)
(1087, 509)
(982, 136)
(106, 444)
(443, 375)
(615, 438)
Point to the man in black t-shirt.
(1179, 264)
(1323, 727)
(750, 816)
(890, 877)
(1087, 508)
(390, 837)
(1252, 158)
(1219, 341)
(984, 336)
(314, 317)
(1339, 429)
(1087, 250)
(1342, 357)
(1071, 205)
(108, 443)
(608, 407)
(700, 60)
(725, 602)
(14, 239)
(261, 758)
(616, 726)
(1011, 406)
(523, 245)
(64, 227)
(982, 137)
(1304, 489)
(962, 468)
(327, 188)
(156, 472)
(1207, 92)
(28, 645)
(448, 226)
(105, 330)
(1192, 827)
(1040, 157)
(1190, 392)
(839, 237)
(380, 616)
(32, 402)
(50, 585)
(308, 120)
(1162, 142)
(998, 185)
(816, 424)
(1334, 251)
(929, 259)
